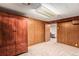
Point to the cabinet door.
(7, 32)
(3, 51)
(10, 50)
(13, 37)
(2, 38)
(11, 42)
(21, 36)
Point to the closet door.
(11, 42)
(2, 48)
(7, 33)
(13, 35)
(21, 36)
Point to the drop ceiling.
(44, 11)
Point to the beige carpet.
(51, 48)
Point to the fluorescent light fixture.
(45, 11)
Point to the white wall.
(53, 29)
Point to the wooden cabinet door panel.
(13, 37)
(11, 50)
(21, 48)
(21, 36)
(8, 31)
(8, 35)
(3, 51)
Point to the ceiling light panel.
(45, 11)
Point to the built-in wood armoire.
(13, 34)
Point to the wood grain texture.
(68, 33)
(36, 31)
(47, 32)
(13, 35)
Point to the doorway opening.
(53, 32)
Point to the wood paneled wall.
(13, 34)
(36, 31)
(47, 32)
(68, 33)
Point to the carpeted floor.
(51, 48)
